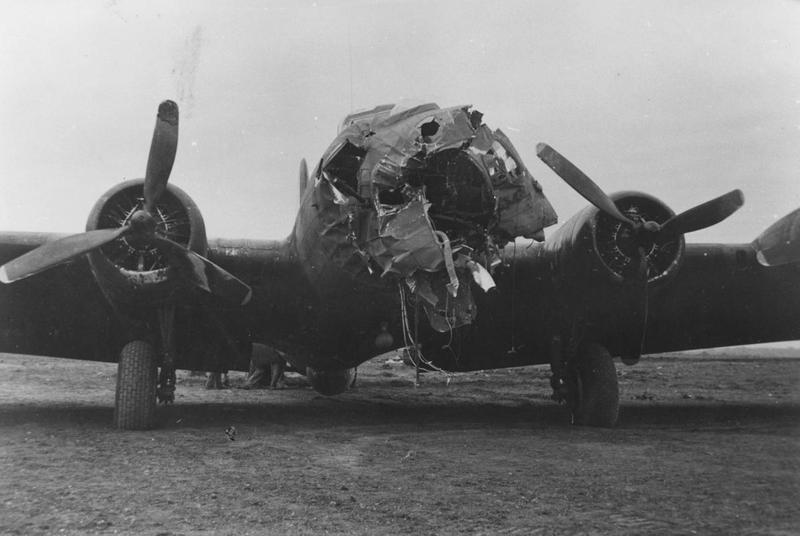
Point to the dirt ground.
(707, 444)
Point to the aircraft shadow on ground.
(319, 412)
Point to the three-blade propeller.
(777, 245)
(140, 227)
(696, 218)
(645, 232)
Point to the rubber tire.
(135, 403)
(331, 382)
(598, 390)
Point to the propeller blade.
(703, 215)
(220, 282)
(162, 153)
(780, 243)
(303, 177)
(643, 273)
(54, 253)
(580, 182)
(206, 275)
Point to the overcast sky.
(685, 100)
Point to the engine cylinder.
(131, 271)
(593, 244)
(619, 247)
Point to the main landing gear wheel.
(595, 401)
(135, 404)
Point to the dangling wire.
(411, 341)
(417, 351)
(449, 324)
(513, 349)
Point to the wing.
(278, 310)
(722, 296)
(61, 313)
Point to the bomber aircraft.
(406, 237)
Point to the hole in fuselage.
(457, 190)
(461, 200)
(391, 197)
(345, 164)
(430, 128)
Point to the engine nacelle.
(594, 245)
(131, 272)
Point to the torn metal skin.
(429, 196)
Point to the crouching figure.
(267, 366)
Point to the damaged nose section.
(432, 195)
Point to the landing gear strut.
(166, 384)
(166, 378)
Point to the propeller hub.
(651, 226)
(142, 222)
(143, 228)
(633, 242)
(623, 248)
